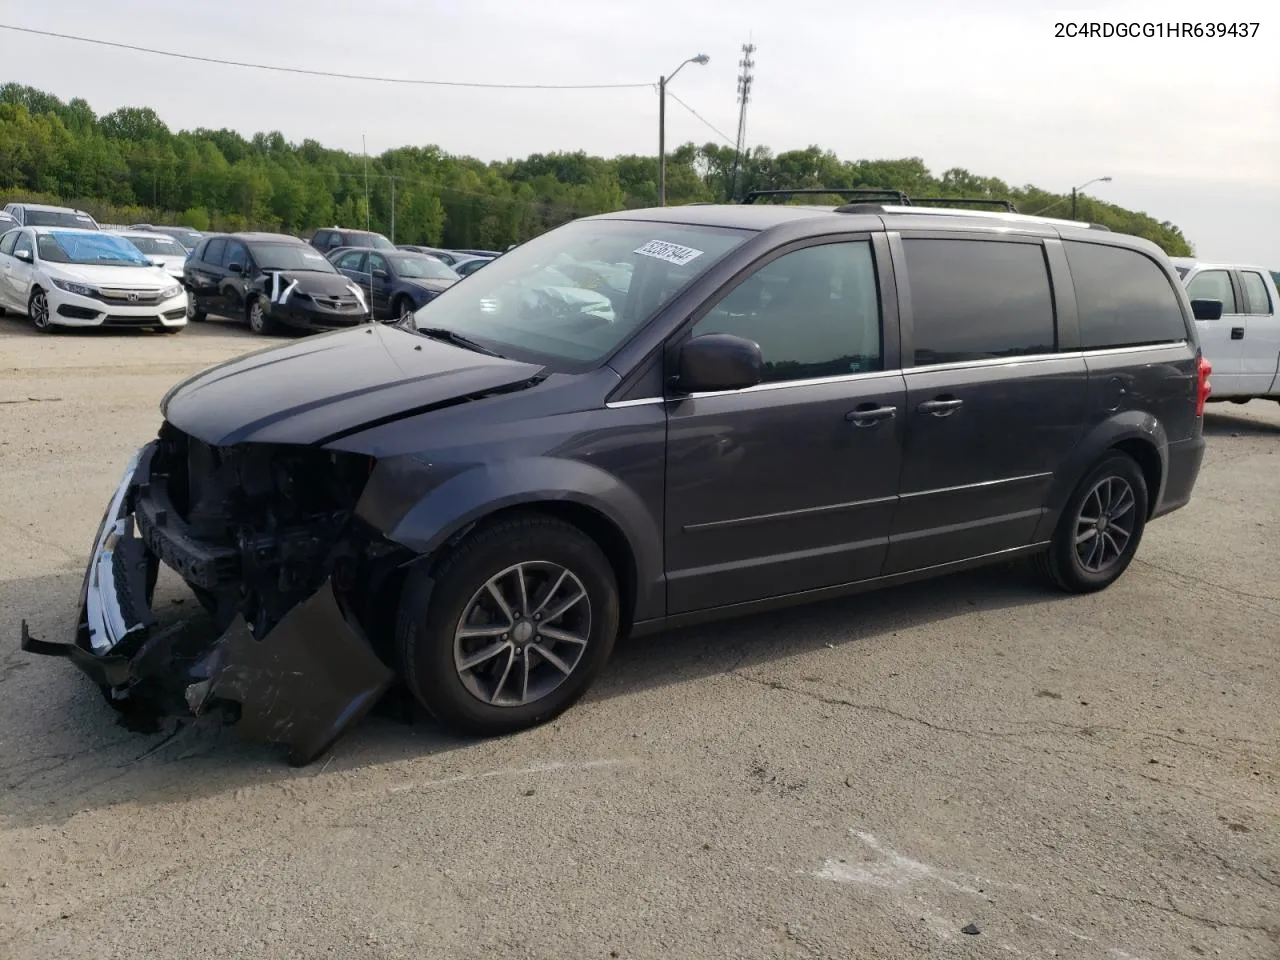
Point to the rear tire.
(482, 672)
(1100, 528)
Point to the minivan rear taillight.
(1204, 388)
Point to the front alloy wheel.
(511, 627)
(523, 634)
(259, 322)
(38, 311)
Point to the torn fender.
(303, 684)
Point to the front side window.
(104, 249)
(814, 312)
(1256, 292)
(377, 263)
(1123, 298)
(235, 253)
(574, 294)
(9, 240)
(978, 300)
(350, 261)
(1214, 285)
(24, 244)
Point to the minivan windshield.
(572, 295)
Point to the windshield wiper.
(452, 336)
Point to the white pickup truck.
(1244, 344)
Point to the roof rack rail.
(895, 195)
(1006, 205)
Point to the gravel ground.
(1080, 777)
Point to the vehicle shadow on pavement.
(1224, 421)
(62, 751)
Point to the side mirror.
(1206, 309)
(719, 361)
(235, 268)
(381, 274)
(25, 256)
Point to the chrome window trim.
(878, 374)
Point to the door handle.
(1237, 333)
(941, 407)
(868, 414)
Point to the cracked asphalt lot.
(1088, 777)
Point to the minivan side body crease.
(635, 421)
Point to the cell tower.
(744, 95)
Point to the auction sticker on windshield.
(670, 252)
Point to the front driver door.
(790, 485)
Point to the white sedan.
(61, 276)
(161, 249)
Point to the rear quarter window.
(1124, 299)
(1256, 292)
(978, 299)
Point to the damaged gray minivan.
(634, 421)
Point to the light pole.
(700, 59)
(1075, 190)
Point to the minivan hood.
(312, 390)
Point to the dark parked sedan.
(271, 280)
(401, 282)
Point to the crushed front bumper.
(301, 685)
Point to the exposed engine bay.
(266, 537)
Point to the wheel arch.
(1136, 434)
(583, 495)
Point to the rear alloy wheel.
(259, 322)
(38, 311)
(520, 619)
(1100, 528)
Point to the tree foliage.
(128, 166)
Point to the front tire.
(259, 322)
(403, 311)
(511, 628)
(194, 313)
(38, 311)
(1100, 528)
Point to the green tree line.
(128, 166)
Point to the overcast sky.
(1188, 128)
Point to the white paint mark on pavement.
(888, 868)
